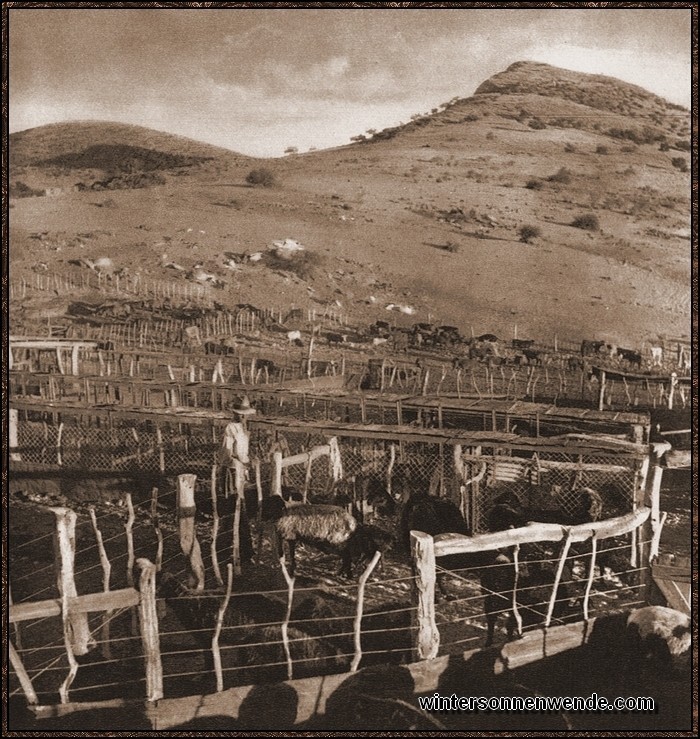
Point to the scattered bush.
(587, 221)
(302, 264)
(470, 118)
(262, 177)
(20, 189)
(527, 233)
(534, 184)
(682, 144)
(451, 247)
(680, 163)
(537, 124)
(664, 146)
(562, 177)
(628, 149)
(601, 149)
(569, 148)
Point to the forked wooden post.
(150, 638)
(189, 543)
(423, 556)
(80, 638)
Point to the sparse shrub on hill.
(534, 184)
(602, 149)
(628, 149)
(528, 232)
(587, 221)
(569, 148)
(261, 177)
(664, 146)
(562, 177)
(680, 163)
(451, 247)
(471, 117)
(682, 145)
(20, 189)
(537, 124)
(302, 264)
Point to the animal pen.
(92, 627)
(78, 367)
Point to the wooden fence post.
(423, 556)
(601, 390)
(357, 627)
(238, 504)
(215, 527)
(652, 497)
(277, 473)
(15, 455)
(186, 509)
(150, 638)
(80, 639)
(23, 677)
(106, 572)
(216, 652)
(161, 451)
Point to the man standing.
(235, 455)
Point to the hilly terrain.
(549, 199)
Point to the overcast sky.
(258, 80)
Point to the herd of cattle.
(441, 339)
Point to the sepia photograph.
(348, 378)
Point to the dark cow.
(630, 356)
(380, 328)
(589, 348)
(534, 356)
(448, 335)
(334, 338)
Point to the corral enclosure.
(473, 469)
(113, 427)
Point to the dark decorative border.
(4, 253)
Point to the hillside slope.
(427, 215)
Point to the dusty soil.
(427, 216)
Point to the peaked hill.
(551, 200)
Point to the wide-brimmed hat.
(242, 407)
